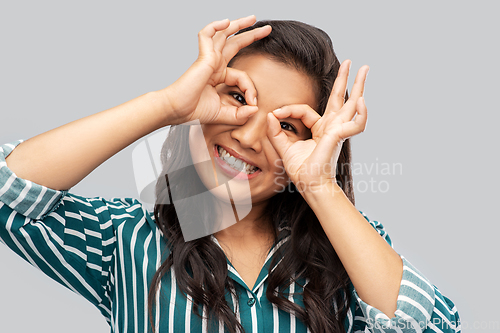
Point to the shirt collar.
(283, 237)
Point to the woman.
(276, 126)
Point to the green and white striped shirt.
(108, 251)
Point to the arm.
(58, 234)
(374, 268)
(77, 241)
(384, 283)
(72, 239)
(60, 158)
(382, 278)
(443, 318)
(419, 303)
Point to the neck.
(253, 227)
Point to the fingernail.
(277, 110)
(255, 100)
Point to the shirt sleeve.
(420, 305)
(25, 197)
(69, 237)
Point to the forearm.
(62, 157)
(374, 268)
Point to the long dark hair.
(200, 265)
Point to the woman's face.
(277, 85)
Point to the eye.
(239, 97)
(288, 127)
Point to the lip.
(233, 173)
(235, 154)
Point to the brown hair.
(200, 265)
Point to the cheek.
(278, 183)
(274, 161)
(198, 145)
(277, 172)
(281, 182)
(200, 156)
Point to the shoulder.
(123, 214)
(120, 210)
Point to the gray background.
(432, 102)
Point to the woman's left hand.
(311, 164)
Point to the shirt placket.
(250, 299)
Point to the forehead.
(277, 83)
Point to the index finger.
(304, 112)
(280, 141)
(235, 77)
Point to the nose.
(251, 134)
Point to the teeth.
(239, 164)
(236, 163)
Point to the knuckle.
(339, 94)
(212, 23)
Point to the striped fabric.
(108, 250)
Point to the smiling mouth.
(235, 162)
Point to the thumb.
(232, 115)
(276, 136)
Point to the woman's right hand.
(193, 96)
(62, 157)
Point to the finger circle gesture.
(314, 161)
(193, 95)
